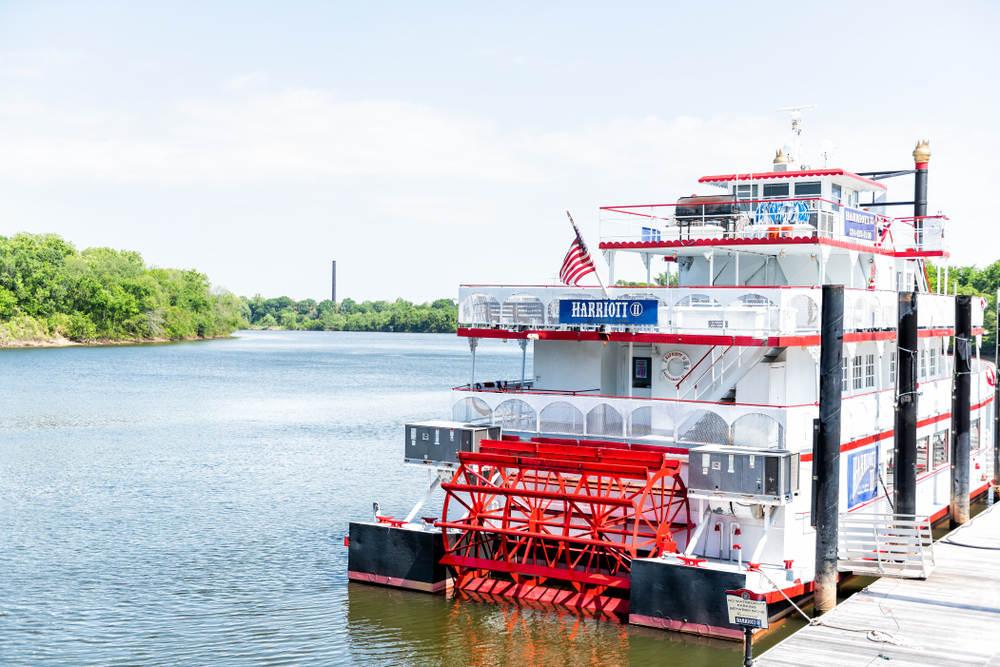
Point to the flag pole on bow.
(578, 262)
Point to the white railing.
(638, 419)
(885, 546)
(758, 312)
(773, 219)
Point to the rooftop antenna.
(797, 129)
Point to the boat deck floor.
(951, 618)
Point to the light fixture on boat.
(532, 336)
(782, 253)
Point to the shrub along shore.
(53, 294)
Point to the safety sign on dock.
(747, 608)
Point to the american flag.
(578, 262)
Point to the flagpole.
(596, 273)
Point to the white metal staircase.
(715, 376)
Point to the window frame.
(856, 374)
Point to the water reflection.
(391, 627)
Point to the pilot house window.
(776, 191)
(811, 189)
(746, 193)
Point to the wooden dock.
(950, 618)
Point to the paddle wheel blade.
(544, 513)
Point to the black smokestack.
(922, 156)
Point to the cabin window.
(843, 382)
(776, 191)
(973, 435)
(940, 441)
(857, 372)
(922, 445)
(892, 368)
(933, 364)
(835, 196)
(810, 189)
(923, 364)
(870, 370)
(746, 192)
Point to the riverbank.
(60, 341)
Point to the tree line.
(50, 289)
(440, 316)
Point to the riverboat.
(661, 451)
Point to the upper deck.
(745, 315)
(771, 211)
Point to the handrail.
(679, 382)
(711, 365)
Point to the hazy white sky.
(423, 145)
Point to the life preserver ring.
(675, 365)
(991, 376)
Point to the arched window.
(704, 427)
(604, 420)
(472, 411)
(479, 308)
(522, 309)
(515, 415)
(758, 431)
(649, 421)
(561, 417)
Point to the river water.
(186, 504)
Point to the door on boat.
(776, 385)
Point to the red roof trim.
(765, 175)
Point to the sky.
(427, 145)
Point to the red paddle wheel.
(576, 513)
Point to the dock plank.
(951, 618)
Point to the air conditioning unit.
(769, 476)
(437, 443)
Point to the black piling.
(996, 434)
(826, 462)
(905, 475)
(961, 409)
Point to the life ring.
(991, 376)
(675, 365)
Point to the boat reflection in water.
(395, 626)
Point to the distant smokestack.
(922, 156)
(333, 290)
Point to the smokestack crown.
(922, 153)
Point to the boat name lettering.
(592, 311)
(859, 224)
(862, 476)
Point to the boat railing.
(758, 311)
(864, 414)
(772, 219)
(663, 421)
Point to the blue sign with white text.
(589, 311)
(862, 476)
(859, 224)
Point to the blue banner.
(859, 224)
(862, 476)
(589, 311)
